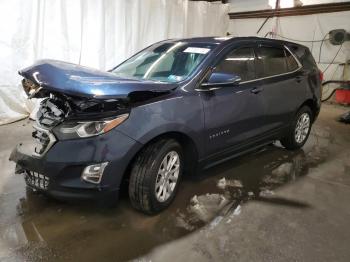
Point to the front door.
(233, 114)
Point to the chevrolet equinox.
(173, 108)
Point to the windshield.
(166, 62)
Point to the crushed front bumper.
(58, 171)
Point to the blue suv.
(173, 108)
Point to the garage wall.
(244, 5)
(253, 5)
(308, 28)
(93, 33)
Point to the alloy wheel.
(302, 128)
(167, 177)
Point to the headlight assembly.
(93, 128)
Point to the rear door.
(282, 82)
(233, 114)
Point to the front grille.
(36, 180)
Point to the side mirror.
(221, 79)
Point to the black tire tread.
(289, 140)
(139, 178)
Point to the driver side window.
(239, 62)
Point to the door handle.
(256, 90)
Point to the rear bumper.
(64, 163)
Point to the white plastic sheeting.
(94, 33)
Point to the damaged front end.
(81, 102)
(66, 156)
(57, 108)
(62, 117)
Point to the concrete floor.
(273, 205)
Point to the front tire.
(299, 131)
(155, 176)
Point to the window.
(307, 59)
(272, 61)
(167, 62)
(291, 62)
(239, 62)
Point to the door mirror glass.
(222, 79)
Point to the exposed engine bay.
(82, 101)
(52, 111)
(57, 107)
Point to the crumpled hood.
(78, 80)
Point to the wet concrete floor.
(36, 228)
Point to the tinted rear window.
(304, 56)
(291, 62)
(272, 61)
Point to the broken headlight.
(92, 128)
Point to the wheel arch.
(188, 145)
(312, 104)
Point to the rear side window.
(291, 62)
(239, 62)
(304, 56)
(272, 61)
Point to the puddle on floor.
(35, 228)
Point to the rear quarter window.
(292, 64)
(304, 56)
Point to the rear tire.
(153, 180)
(299, 130)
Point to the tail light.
(321, 75)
